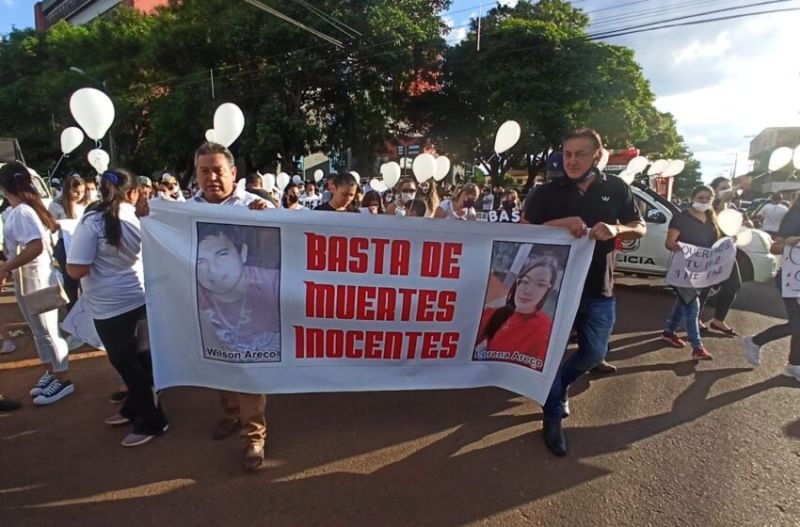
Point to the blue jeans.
(593, 323)
(689, 314)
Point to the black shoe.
(554, 438)
(119, 396)
(604, 368)
(7, 405)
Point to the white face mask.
(91, 195)
(701, 207)
(408, 196)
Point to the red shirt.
(525, 333)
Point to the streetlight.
(105, 89)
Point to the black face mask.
(586, 176)
(469, 203)
(291, 199)
(508, 205)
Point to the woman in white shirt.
(68, 206)
(106, 255)
(462, 206)
(27, 229)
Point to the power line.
(292, 21)
(338, 24)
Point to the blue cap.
(555, 165)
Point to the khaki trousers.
(249, 409)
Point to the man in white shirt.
(216, 176)
(487, 201)
(772, 214)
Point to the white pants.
(51, 347)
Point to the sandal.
(730, 332)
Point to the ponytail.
(114, 185)
(16, 179)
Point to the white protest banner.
(699, 267)
(280, 302)
(790, 272)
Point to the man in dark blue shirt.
(587, 203)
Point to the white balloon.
(730, 221)
(796, 158)
(627, 176)
(228, 123)
(98, 159)
(241, 184)
(674, 168)
(318, 175)
(424, 167)
(378, 186)
(282, 180)
(657, 167)
(391, 173)
(603, 163)
(268, 182)
(297, 180)
(637, 165)
(93, 110)
(744, 236)
(507, 136)
(442, 168)
(779, 158)
(211, 136)
(71, 138)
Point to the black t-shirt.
(790, 225)
(607, 200)
(694, 231)
(327, 206)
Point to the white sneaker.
(752, 351)
(54, 392)
(43, 382)
(8, 347)
(792, 370)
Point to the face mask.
(701, 207)
(408, 196)
(508, 205)
(469, 203)
(586, 176)
(92, 195)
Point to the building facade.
(49, 12)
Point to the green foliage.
(300, 94)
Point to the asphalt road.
(664, 442)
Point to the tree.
(537, 65)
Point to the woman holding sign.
(787, 243)
(106, 255)
(696, 225)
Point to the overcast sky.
(723, 81)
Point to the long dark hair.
(16, 179)
(504, 313)
(71, 183)
(373, 197)
(114, 185)
(711, 215)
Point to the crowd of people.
(102, 264)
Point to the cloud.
(703, 50)
(455, 34)
(724, 82)
(9, 3)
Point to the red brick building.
(48, 12)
